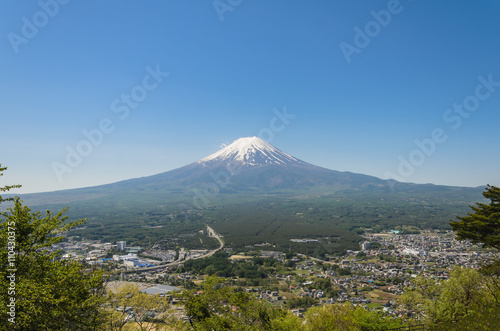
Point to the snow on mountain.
(249, 166)
(251, 151)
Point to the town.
(373, 277)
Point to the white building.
(411, 251)
(131, 262)
(118, 258)
(121, 245)
(365, 245)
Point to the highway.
(211, 233)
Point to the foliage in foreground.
(39, 291)
(468, 300)
(55, 294)
(218, 307)
(127, 308)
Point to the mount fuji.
(248, 165)
(252, 192)
(252, 163)
(250, 152)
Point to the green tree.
(218, 307)
(361, 255)
(300, 302)
(43, 291)
(7, 187)
(128, 308)
(330, 317)
(466, 303)
(348, 318)
(462, 302)
(483, 225)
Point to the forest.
(334, 219)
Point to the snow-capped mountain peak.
(250, 151)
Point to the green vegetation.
(304, 302)
(256, 217)
(468, 300)
(482, 226)
(127, 308)
(51, 293)
(218, 307)
(346, 317)
(405, 229)
(341, 271)
(40, 291)
(387, 258)
(220, 265)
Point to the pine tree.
(483, 225)
(6, 188)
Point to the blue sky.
(199, 74)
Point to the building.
(132, 262)
(121, 245)
(118, 258)
(365, 245)
(106, 246)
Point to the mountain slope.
(251, 163)
(251, 192)
(247, 165)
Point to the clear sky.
(93, 92)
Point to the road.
(211, 233)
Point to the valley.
(287, 234)
(255, 194)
